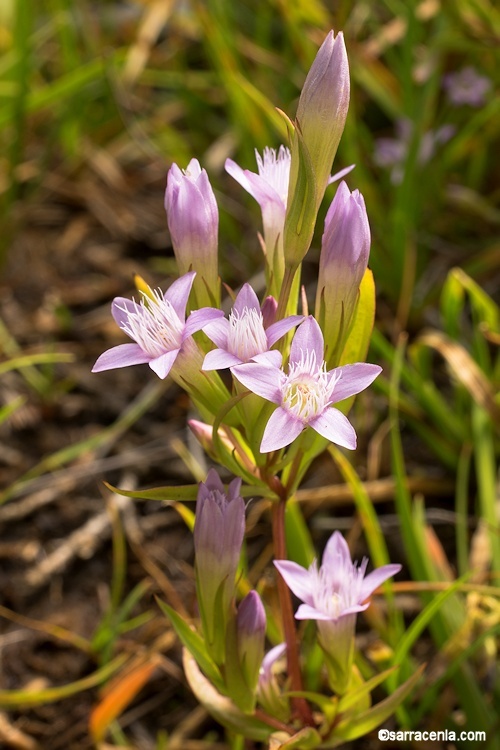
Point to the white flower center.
(307, 390)
(339, 589)
(246, 336)
(275, 169)
(154, 325)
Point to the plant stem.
(301, 706)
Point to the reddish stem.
(300, 705)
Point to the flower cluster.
(289, 381)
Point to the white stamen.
(338, 590)
(275, 169)
(154, 324)
(246, 336)
(307, 390)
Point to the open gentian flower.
(333, 595)
(305, 393)
(158, 325)
(249, 332)
(270, 189)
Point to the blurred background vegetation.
(97, 99)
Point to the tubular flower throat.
(246, 335)
(308, 389)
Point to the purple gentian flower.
(305, 393)
(249, 333)
(270, 189)
(158, 325)
(467, 87)
(333, 595)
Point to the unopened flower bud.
(251, 630)
(193, 221)
(320, 120)
(218, 537)
(345, 248)
(323, 105)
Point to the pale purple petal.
(199, 319)
(212, 482)
(269, 309)
(278, 329)
(308, 337)
(281, 430)
(254, 184)
(297, 578)
(377, 577)
(334, 426)
(218, 359)
(354, 379)
(272, 358)
(234, 488)
(341, 174)
(217, 331)
(260, 379)
(163, 364)
(309, 612)
(273, 655)
(120, 309)
(336, 548)
(178, 293)
(122, 355)
(246, 297)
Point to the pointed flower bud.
(333, 595)
(193, 221)
(323, 105)
(218, 537)
(345, 248)
(251, 631)
(320, 120)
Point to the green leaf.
(17, 698)
(220, 706)
(360, 724)
(193, 642)
(350, 699)
(329, 705)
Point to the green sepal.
(360, 724)
(302, 211)
(236, 684)
(214, 623)
(193, 643)
(220, 706)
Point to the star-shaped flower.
(158, 325)
(248, 333)
(333, 594)
(306, 392)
